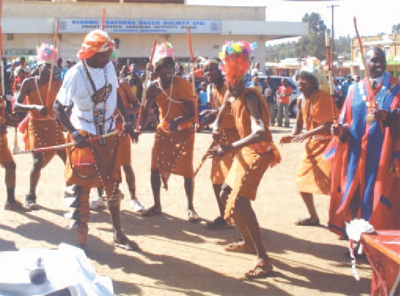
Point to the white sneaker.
(97, 203)
(136, 205)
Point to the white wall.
(32, 23)
(128, 10)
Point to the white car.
(276, 82)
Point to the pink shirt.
(287, 90)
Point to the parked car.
(276, 82)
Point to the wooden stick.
(329, 63)
(58, 147)
(3, 92)
(103, 19)
(203, 159)
(364, 63)
(55, 38)
(193, 76)
(369, 118)
(146, 81)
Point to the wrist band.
(75, 133)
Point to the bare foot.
(240, 248)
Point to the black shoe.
(217, 223)
(30, 202)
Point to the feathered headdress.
(46, 54)
(236, 59)
(162, 51)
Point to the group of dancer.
(87, 102)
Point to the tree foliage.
(396, 28)
(311, 45)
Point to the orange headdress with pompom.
(236, 59)
(96, 41)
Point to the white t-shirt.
(76, 88)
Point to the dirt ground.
(182, 258)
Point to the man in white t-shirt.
(91, 86)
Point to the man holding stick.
(174, 140)
(366, 151)
(92, 86)
(229, 134)
(42, 129)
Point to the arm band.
(257, 125)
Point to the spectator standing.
(345, 86)
(270, 97)
(135, 82)
(257, 85)
(203, 98)
(58, 69)
(284, 92)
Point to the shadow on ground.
(173, 274)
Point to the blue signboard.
(141, 26)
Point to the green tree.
(314, 43)
(311, 45)
(396, 28)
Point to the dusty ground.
(181, 258)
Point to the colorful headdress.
(46, 54)
(96, 41)
(311, 64)
(236, 59)
(162, 51)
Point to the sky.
(373, 17)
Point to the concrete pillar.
(260, 55)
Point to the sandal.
(16, 206)
(193, 216)
(126, 244)
(307, 222)
(260, 270)
(152, 211)
(240, 248)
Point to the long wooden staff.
(3, 89)
(193, 76)
(55, 41)
(146, 81)
(63, 146)
(370, 118)
(203, 159)
(329, 64)
(103, 19)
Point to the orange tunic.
(252, 161)
(5, 153)
(108, 162)
(173, 151)
(124, 140)
(314, 172)
(229, 134)
(43, 131)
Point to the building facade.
(390, 44)
(27, 24)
